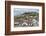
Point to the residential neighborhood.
(26, 20)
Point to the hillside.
(26, 15)
(26, 19)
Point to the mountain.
(31, 13)
(26, 15)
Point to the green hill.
(26, 15)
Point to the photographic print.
(24, 17)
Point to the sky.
(19, 11)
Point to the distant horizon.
(19, 11)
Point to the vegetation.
(26, 15)
(28, 18)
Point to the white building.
(24, 23)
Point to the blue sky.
(19, 11)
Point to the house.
(34, 22)
(24, 24)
